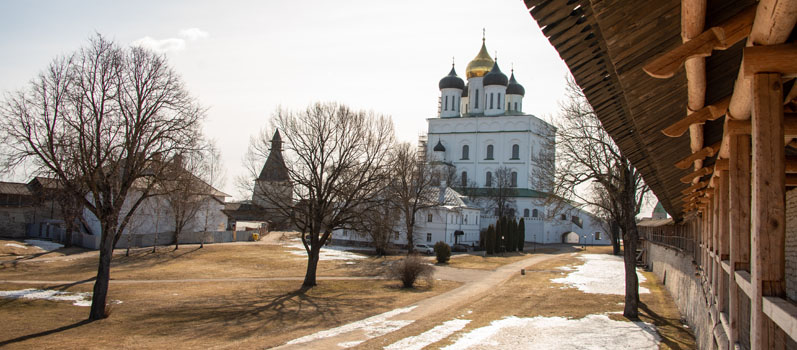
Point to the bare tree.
(591, 169)
(337, 161)
(213, 173)
(501, 191)
(184, 193)
(93, 120)
(411, 188)
(379, 225)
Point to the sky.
(244, 59)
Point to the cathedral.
(483, 138)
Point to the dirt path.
(477, 283)
(196, 280)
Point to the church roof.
(495, 77)
(275, 169)
(439, 147)
(481, 64)
(451, 81)
(514, 88)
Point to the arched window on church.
(515, 105)
(491, 100)
(465, 151)
(515, 152)
(489, 152)
(525, 213)
(507, 106)
(445, 108)
(488, 179)
(513, 179)
(476, 102)
(464, 179)
(534, 213)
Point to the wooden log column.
(768, 206)
(738, 223)
(723, 244)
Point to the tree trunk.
(312, 265)
(176, 239)
(615, 237)
(410, 233)
(631, 309)
(100, 294)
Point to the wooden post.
(768, 206)
(713, 257)
(739, 223)
(723, 244)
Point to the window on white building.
(513, 179)
(489, 152)
(466, 219)
(534, 213)
(597, 235)
(488, 179)
(464, 179)
(445, 108)
(515, 152)
(429, 218)
(428, 237)
(476, 102)
(525, 213)
(491, 100)
(465, 152)
(563, 217)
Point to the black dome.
(514, 88)
(495, 77)
(439, 147)
(451, 81)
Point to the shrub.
(443, 251)
(521, 234)
(409, 269)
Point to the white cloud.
(164, 45)
(193, 34)
(171, 44)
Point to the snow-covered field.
(14, 245)
(591, 332)
(46, 245)
(77, 299)
(327, 252)
(372, 327)
(431, 336)
(600, 274)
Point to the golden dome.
(480, 65)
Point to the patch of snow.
(600, 274)
(327, 252)
(46, 245)
(16, 245)
(374, 326)
(590, 332)
(433, 335)
(78, 299)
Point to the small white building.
(452, 221)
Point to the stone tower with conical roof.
(274, 182)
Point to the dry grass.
(213, 261)
(534, 295)
(202, 315)
(472, 261)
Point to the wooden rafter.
(695, 187)
(697, 173)
(716, 38)
(701, 154)
(710, 112)
(743, 127)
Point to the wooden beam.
(697, 173)
(720, 165)
(770, 59)
(723, 239)
(743, 127)
(701, 154)
(774, 22)
(710, 112)
(694, 187)
(783, 313)
(716, 38)
(693, 196)
(791, 180)
(768, 205)
(738, 224)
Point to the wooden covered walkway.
(700, 95)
